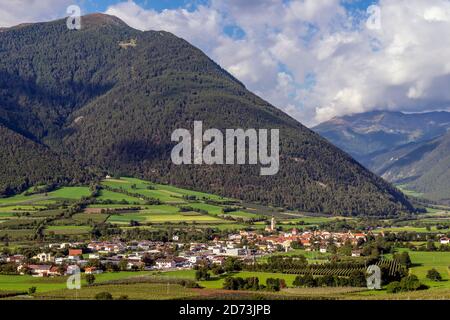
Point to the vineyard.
(392, 267)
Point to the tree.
(202, 274)
(431, 246)
(123, 265)
(358, 279)
(434, 275)
(232, 264)
(273, 284)
(90, 279)
(252, 283)
(404, 259)
(216, 270)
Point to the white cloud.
(314, 59)
(13, 12)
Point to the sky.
(314, 59)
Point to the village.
(58, 259)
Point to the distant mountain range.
(77, 105)
(409, 149)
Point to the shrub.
(273, 284)
(410, 283)
(90, 279)
(394, 287)
(103, 296)
(434, 275)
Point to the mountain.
(423, 167)
(365, 134)
(106, 98)
(411, 149)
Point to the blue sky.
(159, 5)
(234, 31)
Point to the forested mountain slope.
(108, 97)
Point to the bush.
(202, 274)
(32, 290)
(305, 281)
(275, 284)
(90, 279)
(394, 287)
(103, 296)
(434, 275)
(358, 279)
(410, 283)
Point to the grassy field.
(409, 192)
(68, 230)
(70, 193)
(217, 282)
(115, 196)
(424, 261)
(23, 282)
(161, 218)
(142, 291)
(164, 193)
(212, 209)
(406, 228)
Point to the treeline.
(252, 283)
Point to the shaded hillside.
(109, 97)
(424, 167)
(25, 163)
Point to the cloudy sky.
(314, 59)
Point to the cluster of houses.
(66, 258)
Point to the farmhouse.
(444, 240)
(74, 254)
(18, 258)
(165, 263)
(39, 270)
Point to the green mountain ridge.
(103, 107)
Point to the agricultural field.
(24, 282)
(127, 204)
(424, 261)
(120, 202)
(141, 291)
(116, 196)
(409, 192)
(406, 229)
